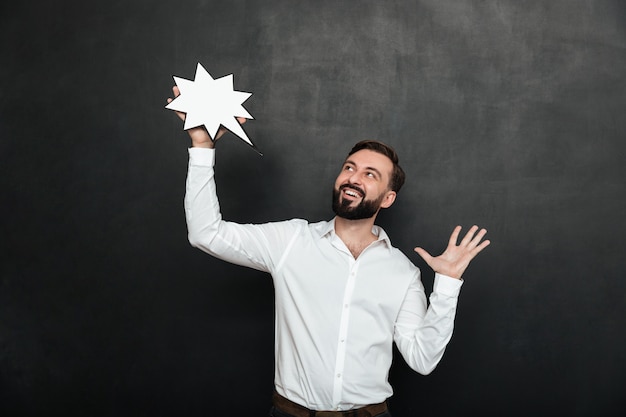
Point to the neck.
(355, 234)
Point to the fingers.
(471, 239)
(476, 240)
(221, 131)
(176, 92)
(456, 258)
(199, 135)
(469, 235)
(480, 247)
(454, 236)
(180, 115)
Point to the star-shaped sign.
(212, 103)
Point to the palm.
(455, 259)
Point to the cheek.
(340, 180)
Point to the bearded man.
(343, 293)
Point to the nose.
(355, 177)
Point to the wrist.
(207, 145)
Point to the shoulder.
(400, 260)
(396, 254)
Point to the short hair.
(397, 175)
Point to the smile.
(352, 191)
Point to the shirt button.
(338, 375)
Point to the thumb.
(425, 255)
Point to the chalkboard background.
(507, 114)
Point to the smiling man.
(343, 293)
(368, 165)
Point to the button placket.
(343, 332)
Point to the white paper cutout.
(211, 102)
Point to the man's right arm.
(258, 246)
(254, 246)
(232, 242)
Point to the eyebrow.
(380, 175)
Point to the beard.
(366, 209)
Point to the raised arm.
(422, 333)
(241, 244)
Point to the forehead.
(366, 158)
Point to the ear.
(390, 197)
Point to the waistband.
(297, 410)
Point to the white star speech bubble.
(212, 103)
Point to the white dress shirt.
(336, 317)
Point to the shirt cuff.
(446, 285)
(202, 157)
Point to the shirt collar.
(329, 229)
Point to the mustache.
(354, 187)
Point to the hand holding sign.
(212, 103)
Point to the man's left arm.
(422, 333)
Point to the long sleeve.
(422, 333)
(254, 246)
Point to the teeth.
(351, 193)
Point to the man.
(344, 294)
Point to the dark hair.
(397, 176)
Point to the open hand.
(455, 259)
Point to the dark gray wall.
(508, 114)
